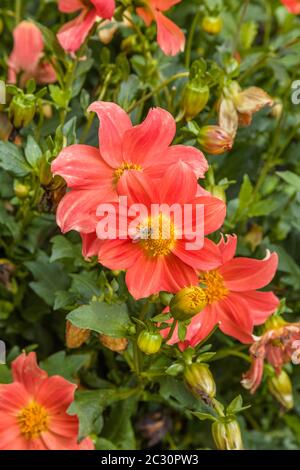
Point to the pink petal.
(105, 8)
(37, 444)
(227, 247)
(54, 442)
(261, 305)
(26, 371)
(65, 426)
(252, 379)
(114, 122)
(13, 397)
(82, 167)
(244, 274)
(189, 155)
(77, 210)
(206, 259)
(149, 276)
(235, 318)
(163, 5)
(201, 325)
(293, 6)
(118, 254)
(73, 34)
(28, 47)
(86, 444)
(179, 184)
(214, 212)
(44, 74)
(69, 6)
(169, 37)
(143, 143)
(146, 14)
(138, 187)
(90, 244)
(56, 394)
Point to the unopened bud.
(22, 110)
(76, 337)
(114, 344)
(277, 109)
(200, 379)
(215, 140)
(194, 100)
(227, 436)
(281, 388)
(149, 342)
(188, 302)
(21, 190)
(212, 24)
(165, 298)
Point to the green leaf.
(118, 428)
(12, 159)
(245, 193)
(204, 416)
(290, 178)
(107, 319)
(5, 374)
(62, 248)
(49, 277)
(105, 444)
(66, 366)
(33, 152)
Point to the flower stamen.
(33, 420)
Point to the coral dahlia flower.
(161, 260)
(169, 37)
(293, 6)
(279, 344)
(93, 174)
(233, 302)
(26, 58)
(33, 410)
(73, 34)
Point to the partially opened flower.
(157, 256)
(27, 58)
(293, 6)
(33, 410)
(237, 106)
(73, 34)
(233, 303)
(93, 174)
(279, 344)
(169, 37)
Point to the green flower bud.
(188, 302)
(194, 99)
(227, 436)
(212, 24)
(22, 110)
(200, 379)
(21, 190)
(149, 342)
(165, 298)
(281, 388)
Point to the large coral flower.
(293, 6)
(93, 174)
(169, 37)
(233, 302)
(162, 259)
(33, 410)
(26, 58)
(72, 35)
(279, 344)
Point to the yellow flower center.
(215, 289)
(33, 420)
(124, 167)
(157, 236)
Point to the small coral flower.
(169, 37)
(233, 302)
(162, 260)
(33, 410)
(215, 140)
(72, 35)
(26, 58)
(93, 174)
(293, 6)
(279, 344)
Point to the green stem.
(240, 23)
(18, 6)
(172, 329)
(157, 89)
(190, 39)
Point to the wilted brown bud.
(228, 116)
(114, 344)
(153, 427)
(6, 269)
(75, 337)
(252, 100)
(5, 127)
(215, 140)
(107, 31)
